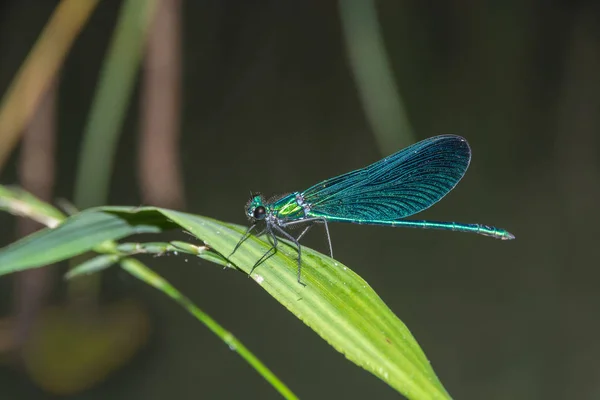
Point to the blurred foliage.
(111, 102)
(67, 353)
(39, 70)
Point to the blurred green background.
(271, 102)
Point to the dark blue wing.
(397, 186)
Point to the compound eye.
(260, 213)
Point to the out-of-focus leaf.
(111, 101)
(39, 69)
(92, 265)
(22, 203)
(374, 75)
(78, 234)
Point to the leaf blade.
(336, 303)
(78, 234)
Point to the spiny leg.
(263, 232)
(319, 220)
(299, 248)
(303, 232)
(270, 253)
(324, 221)
(243, 239)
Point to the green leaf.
(36, 207)
(336, 303)
(21, 99)
(110, 103)
(22, 203)
(92, 265)
(376, 86)
(78, 234)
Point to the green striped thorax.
(288, 208)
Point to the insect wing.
(397, 186)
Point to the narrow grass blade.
(39, 69)
(110, 102)
(374, 75)
(143, 273)
(93, 265)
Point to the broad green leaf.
(336, 303)
(33, 207)
(78, 234)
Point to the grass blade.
(39, 69)
(93, 265)
(374, 75)
(143, 273)
(110, 102)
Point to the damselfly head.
(255, 209)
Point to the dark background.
(270, 104)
